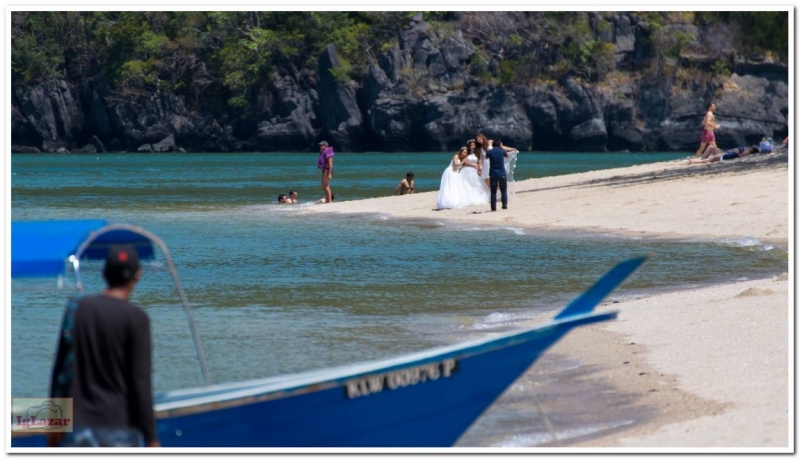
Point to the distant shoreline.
(747, 197)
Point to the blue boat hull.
(403, 407)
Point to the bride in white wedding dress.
(475, 191)
(461, 185)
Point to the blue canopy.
(42, 248)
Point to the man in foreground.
(104, 363)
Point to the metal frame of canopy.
(89, 239)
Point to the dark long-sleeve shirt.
(111, 376)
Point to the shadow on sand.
(748, 163)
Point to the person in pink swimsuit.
(707, 138)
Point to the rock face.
(340, 117)
(53, 112)
(421, 95)
(293, 126)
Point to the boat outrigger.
(424, 399)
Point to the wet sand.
(696, 368)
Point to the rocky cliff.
(421, 95)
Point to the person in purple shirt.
(325, 162)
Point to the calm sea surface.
(277, 291)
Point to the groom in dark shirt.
(497, 174)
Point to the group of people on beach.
(472, 178)
(325, 164)
(474, 174)
(478, 169)
(708, 152)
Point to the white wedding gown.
(449, 189)
(462, 188)
(474, 189)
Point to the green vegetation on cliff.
(228, 57)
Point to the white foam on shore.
(522, 440)
(747, 241)
(503, 320)
(513, 229)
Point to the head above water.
(409, 175)
(122, 266)
(292, 194)
(281, 198)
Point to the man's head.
(323, 145)
(122, 266)
(281, 198)
(498, 143)
(409, 176)
(293, 194)
(711, 106)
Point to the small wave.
(498, 317)
(522, 440)
(502, 320)
(747, 241)
(514, 230)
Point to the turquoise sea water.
(277, 291)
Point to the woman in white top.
(482, 148)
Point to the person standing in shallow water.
(325, 163)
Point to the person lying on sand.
(716, 154)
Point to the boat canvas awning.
(43, 248)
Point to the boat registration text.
(400, 378)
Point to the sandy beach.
(714, 361)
